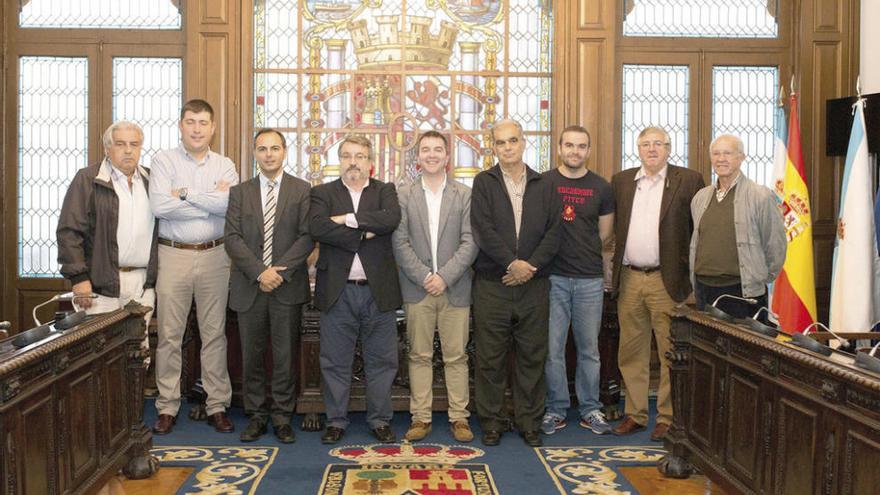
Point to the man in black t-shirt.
(576, 283)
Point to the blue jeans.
(576, 302)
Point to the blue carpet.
(568, 462)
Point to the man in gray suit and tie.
(434, 249)
(268, 241)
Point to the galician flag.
(855, 290)
(794, 292)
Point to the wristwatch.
(181, 193)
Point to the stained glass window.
(701, 18)
(743, 103)
(324, 68)
(148, 92)
(655, 95)
(52, 147)
(100, 14)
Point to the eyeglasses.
(652, 144)
(358, 157)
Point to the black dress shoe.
(491, 438)
(531, 438)
(284, 433)
(332, 435)
(254, 430)
(384, 434)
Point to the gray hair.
(654, 129)
(737, 142)
(506, 122)
(121, 125)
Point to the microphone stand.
(717, 312)
(65, 296)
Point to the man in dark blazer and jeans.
(652, 228)
(516, 224)
(356, 288)
(267, 240)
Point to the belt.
(358, 282)
(130, 268)
(644, 269)
(195, 247)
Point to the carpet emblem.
(585, 470)
(220, 470)
(407, 469)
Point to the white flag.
(855, 290)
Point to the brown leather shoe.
(461, 431)
(164, 424)
(221, 423)
(627, 427)
(659, 432)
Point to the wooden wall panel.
(214, 11)
(827, 15)
(592, 14)
(591, 112)
(826, 66)
(213, 70)
(591, 85)
(826, 80)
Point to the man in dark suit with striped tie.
(268, 241)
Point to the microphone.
(866, 360)
(765, 309)
(813, 325)
(801, 340)
(738, 298)
(715, 311)
(64, 296)
(755, 325)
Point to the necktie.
(268, 223)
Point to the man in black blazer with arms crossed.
(356, 288)
(267, 239)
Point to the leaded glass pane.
(530, 32)
(149, 92)
(388, 68)
(100, 14)
(743, 104)
(52, 147)
(275, 33)
(701, 18)
(655, 95)
(275, 102)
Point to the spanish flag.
(794, 292)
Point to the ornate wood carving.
(828, 471)
(53, 400)
(806, 405)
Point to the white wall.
(869, 49)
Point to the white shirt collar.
(427, 189)
(264, 181)
(661, 174)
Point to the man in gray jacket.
(434, 249)
(738, 245)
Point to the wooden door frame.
(98, 46)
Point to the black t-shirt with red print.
(583, 201)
